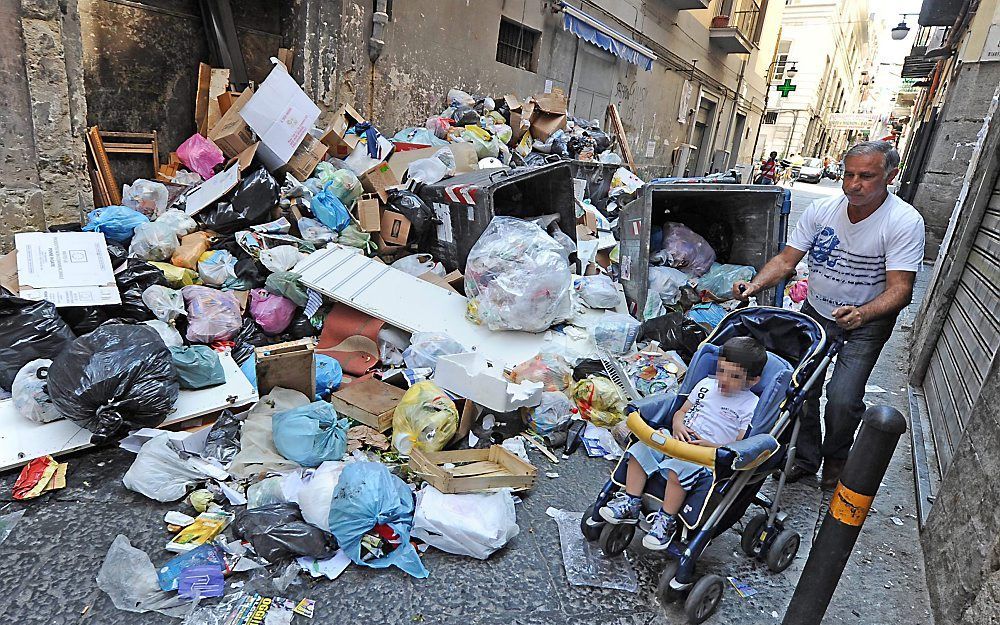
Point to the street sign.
(786, 87)
(991, 49)
(850, 121)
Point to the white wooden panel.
(22, 440)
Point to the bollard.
(880, 431)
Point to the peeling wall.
(43, 178)
(434, 45)
(141, 65)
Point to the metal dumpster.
(465, 204)
(752, 218)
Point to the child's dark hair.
(747, 353)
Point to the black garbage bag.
(465, 116)
(136, 277)
(674, 331)
(223, 440)
(250, 204)
(118, 253)
(29, 330)
(601, 140)
(300, 328)
(277, 532)
(588, 367)
(115, 378)
(422, 218)
(251, 272)
(249, 336)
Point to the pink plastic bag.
(799, 291)
(212, 315)
(273, 313)
(200, 155)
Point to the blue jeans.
(845, 392)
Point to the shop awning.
(596, 32)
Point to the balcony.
(736, 33)
(682, 5)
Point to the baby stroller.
(797, 358)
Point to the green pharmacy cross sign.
(786, 88)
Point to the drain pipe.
(376, 43)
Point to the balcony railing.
(745, 18)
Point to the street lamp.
(792, 71)
(901, 30)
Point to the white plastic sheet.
(475, 524)
(584, 563)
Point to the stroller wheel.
(590, 532)
(782, 551)
(615, 538)
(703, 599)
(664, 592)
(750, 538)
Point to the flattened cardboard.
(433, 278)
(281, 114)
(336, 138)
(465, 159)
(395, 228)
(66, 268)
(231, 132)
(308, 155)
(369, 212)
(8, 272)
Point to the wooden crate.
(474, 470)
(370, 401)
(287, 365)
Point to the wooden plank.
(619, 130)
(370, 401)
(476, 468)
(489, 470)
(218, 83)
(287, 365)
(109, 186)
(201, 97)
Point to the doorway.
(740, 128)
(594, 77)
(701, 137)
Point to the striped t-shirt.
(848, 261)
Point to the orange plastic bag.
(192, 247)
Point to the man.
(768, 170)
(864, 248)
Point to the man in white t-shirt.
(864, 249)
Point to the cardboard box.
(395, 228)
(370, 401)
(307, 156)
(368, 209)
(281, 114)
(288, 365)
(549, 114)
(378, 179)
(473, 470)
(65, 268)
(476, 378)
(336, 138)
(589, 221)
(433, 278)
(231, 132)
(465, 159)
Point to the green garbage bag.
(286, 284)
(198, 366)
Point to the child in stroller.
(717, 412)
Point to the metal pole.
(849, 507)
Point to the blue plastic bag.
(310, 435)
(329, 374)
(330, 210)
(116, 222)
(707, 314)
(368, 495)
(249, 369)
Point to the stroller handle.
(705, 456)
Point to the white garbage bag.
(30, 395)
(475, 524)
(160, 473)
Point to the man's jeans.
(845, 392)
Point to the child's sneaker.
(624, 508)
(662, 531)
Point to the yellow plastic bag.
(178, 276)
(425, 419)
(599, 401)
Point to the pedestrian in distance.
(863, 249)
(768, 170)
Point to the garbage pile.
(367, 439)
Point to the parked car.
(811, 171)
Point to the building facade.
(693, 108)
(954, 61)
(831, 45)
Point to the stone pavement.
(49, 563)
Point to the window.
(771, 117)
(516, 45)
(781, 61)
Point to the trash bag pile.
(311, 474)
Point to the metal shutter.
(969, 340)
